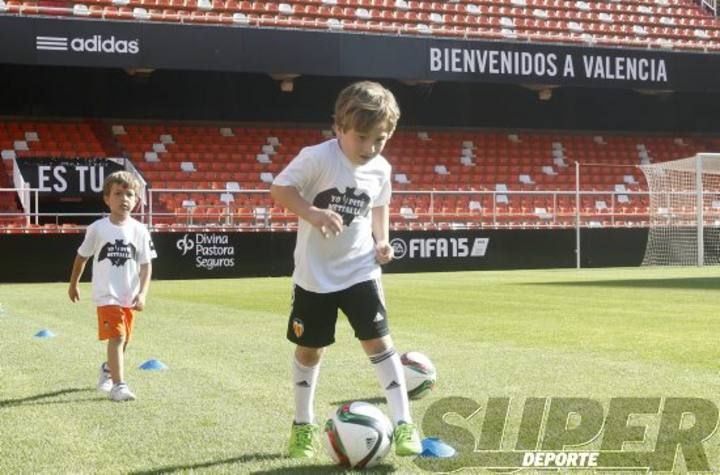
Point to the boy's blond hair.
(364, 105)
(122, 178)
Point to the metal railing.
(246, 209)
(710, 5)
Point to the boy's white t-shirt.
(326, 178)
(118, 253)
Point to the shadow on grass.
(43, 398)
(326, 469)
(241, 459)
(697, 283)
(371, 400)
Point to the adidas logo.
(378, 317)
(393, 385)
(303, 384)
(94, 44)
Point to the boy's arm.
(327, 221)
(381, 232)
(145, 274)
(77, 270)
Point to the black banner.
(67, 186)
(62, 178)
(198, 255)
(130, 44)
(515, 249)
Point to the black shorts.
(313, 317)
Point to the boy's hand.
(328, 222)
(139, 302)
(74, 293)
(384, 252)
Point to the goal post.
(684, 211)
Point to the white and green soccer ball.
(357, 435)
(420, 374)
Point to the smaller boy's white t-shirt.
(326, 178)
(118, 252)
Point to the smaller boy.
(122, 250)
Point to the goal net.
(684, 211)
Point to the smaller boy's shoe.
(303, 440)
(105, 383)
(121, 392)
(406, 439)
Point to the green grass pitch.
(225, 403)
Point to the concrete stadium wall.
(197, 255)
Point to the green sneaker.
(407, 440)
(303, 441)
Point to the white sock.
(390, 374)
(304, 381)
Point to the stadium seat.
(218, 168)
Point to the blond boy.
(340, 190)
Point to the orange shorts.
(114, 321)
